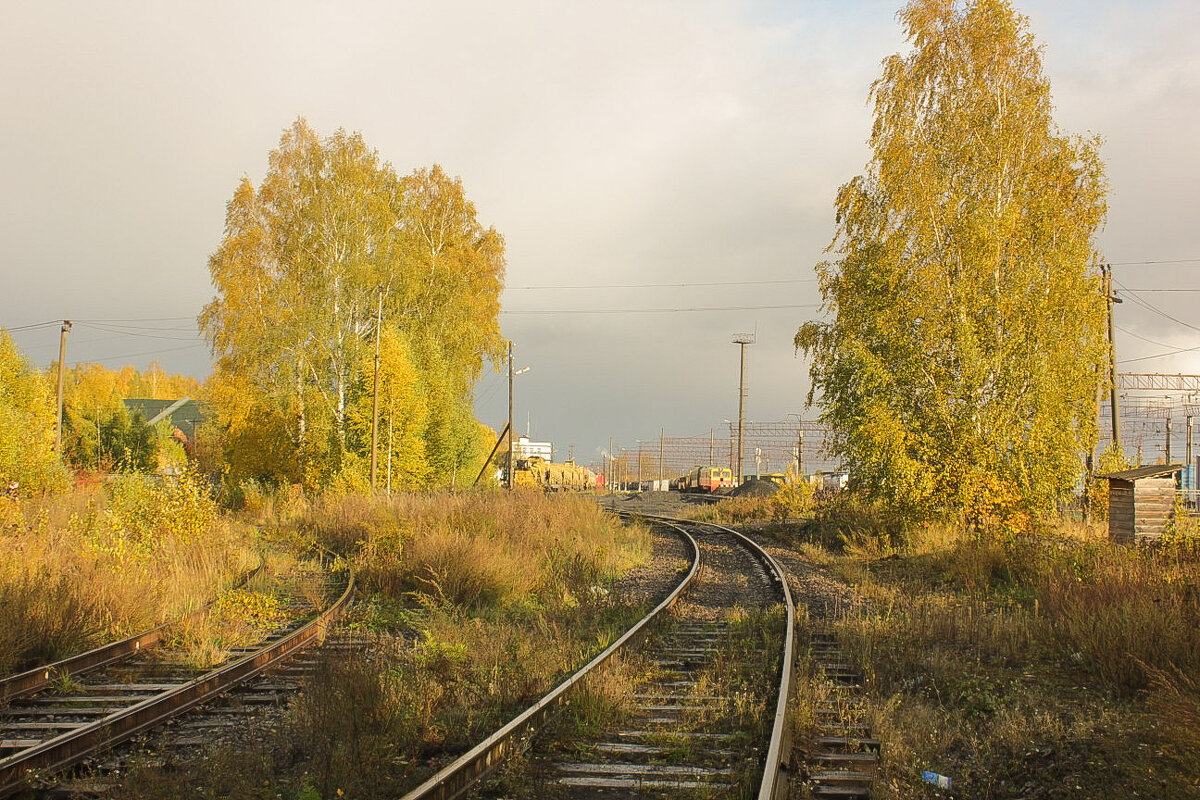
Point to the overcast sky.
(612, 143)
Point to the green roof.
(183, 413)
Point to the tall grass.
(986, 652)
(480, 551)
(102, 562)
(474, 605)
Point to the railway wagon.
(705, 479)
(551, 477)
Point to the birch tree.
(307, 258)
(959, 358)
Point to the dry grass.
(474, 604)
(99, 563)
(1055, 665)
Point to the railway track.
(677, 740)
(63, 714)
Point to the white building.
(527, 449)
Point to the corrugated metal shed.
(1141, 502)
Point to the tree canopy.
(959, 359)
(305, 260)
(28, 419)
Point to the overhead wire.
(697, 309)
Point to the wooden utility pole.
(62, 359)
(1106, 271)
(375, 403)
(799, 453)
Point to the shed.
(1141, 502)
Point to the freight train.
(566, 477)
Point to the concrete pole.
(1168, 448)
(662, 436)
(741, 408)
(511, 448)
(712, 448)
(1188, 450)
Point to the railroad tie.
(843, 757)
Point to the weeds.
(1054, 664)
(103, 562)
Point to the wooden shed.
(1141, 502)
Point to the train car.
(550, 477)
(706, 479)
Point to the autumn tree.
(307, 257)
(960, 357)
(28, 421)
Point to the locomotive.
(704, 479)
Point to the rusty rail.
(71, 747)
(455, 779)
(774, 780)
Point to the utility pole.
(741, 339)
(1191, 467)
(375, 403)
(1106, 271)
(799, 452)
(712, 448)
(662, 435)
(1168, 461)
(509, 470)
(62, 357)
(612, 467)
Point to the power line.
(1144, 304)
(1164, 261)
(1143, 338)
(35, 325)
(665, 285)
(655, 310)
(1160, 355)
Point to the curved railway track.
(118, 691)
(728, 571)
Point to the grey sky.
(610, 142)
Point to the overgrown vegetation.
(1053, 664)
(102, 562)
(794, 499)
(473, 605)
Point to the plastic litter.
(940, 781)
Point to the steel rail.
(458, 777)
(38, 678)
(774, 768)
(71, 747)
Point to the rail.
(457, 777)
(774, 773)
(71, 747)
